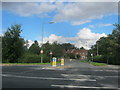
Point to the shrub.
(33, 58)
(100, 59)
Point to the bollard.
(62, 62)
(54, 62)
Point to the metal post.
(42, 43)
(92, 57)
(50, 55)
(41, 58)
(42, 40)
(97, 49)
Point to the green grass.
(98, 64)
(94, 63)
(83, 61)
(26, 63)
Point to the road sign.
(50, 53)
(41, 51)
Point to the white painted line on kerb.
(86, 76)
(67, 75)
(47, 78)
(71, 86)
(107, 70)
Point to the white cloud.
(86, 33)
(60, 1)
(29, 9)
(80, 22)
(92, 26)
(105, 24)
(30, 42)
(53, 38)
(1, 35)
(84, 38)
(75, 13)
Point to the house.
(82, 52)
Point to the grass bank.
(98, 64)
(24, 63)
(94, 63)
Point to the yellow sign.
(54, 62)
(62, 61)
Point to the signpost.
(41, 52)
(92, 57)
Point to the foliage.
(33, 58)
(108, 47)
(12, 44)
(71, 56)
(98, 64)
(68, 46)
(34, 48)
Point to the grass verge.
(98, 64)
(94, 63)
(24, 63)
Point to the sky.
(79, 23)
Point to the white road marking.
(107, 70)
(67, 75)
(85, 76)
(53, 68)
(8, 75)
(72, 86)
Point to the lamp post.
(97, 49)
(42, 40)
(51, 55)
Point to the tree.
(109, 46)
(82, 48)
(34, 48)
(68, 46)
(12, 44)
(57, 49)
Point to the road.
(73, 74)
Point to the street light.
(97, 49)
(42, 39)
(50, 55)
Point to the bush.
(100, 59)
(33, 58)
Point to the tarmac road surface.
(74, 74)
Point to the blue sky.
(73, 21)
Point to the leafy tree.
(68, 46)
(12, 44)
(47, 47)
(82, 48)
(109, 47)
(57, 49)
(34, 48)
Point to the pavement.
(74, 74)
